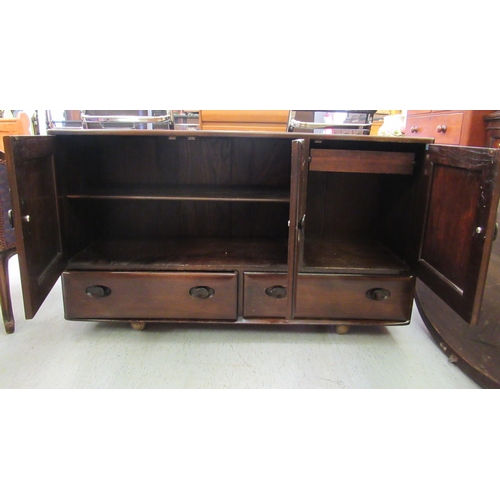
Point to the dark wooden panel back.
(342, 205)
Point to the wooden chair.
(8, 126)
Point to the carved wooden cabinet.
(229, 227)
(464, 128)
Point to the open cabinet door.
(463, 193)
(30, 162)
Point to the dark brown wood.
(136, 217)
(260, 304)
(146, 296)
(160, 254)
(186, 192)
(287, 136)
(36, 216)
(460, 225)
(337, 297)
(475, 349)
(5, 297)
(351, 256)
(296, 221)
(370, 162)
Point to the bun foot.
(341, 329)
(138, 325)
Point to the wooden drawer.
(265, 295)
(445, 128)
(354, 297)
(143, 295)
(371, 162)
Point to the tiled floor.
(50, 352)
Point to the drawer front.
(142, 295)
(370, 162)
(445, 128)
(354, 297)
(265, 295)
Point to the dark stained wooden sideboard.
(236, 227)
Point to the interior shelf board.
(178, 253)
(351, 256)
(189, 193)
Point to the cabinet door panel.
(460, 224)
(36, 216)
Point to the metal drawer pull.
(276, 292)
(378, 294)
(414, 130)
(441, 129)
(201, 292)
(98, 291)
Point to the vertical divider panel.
(300, 163)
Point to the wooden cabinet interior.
(173, 202)
(221, 226)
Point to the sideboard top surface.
(226, 133)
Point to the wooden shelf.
(351, 256)
(181, 254)
(189, 193)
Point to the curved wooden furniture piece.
(475, 349)
(8, 126)
(7, 248)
